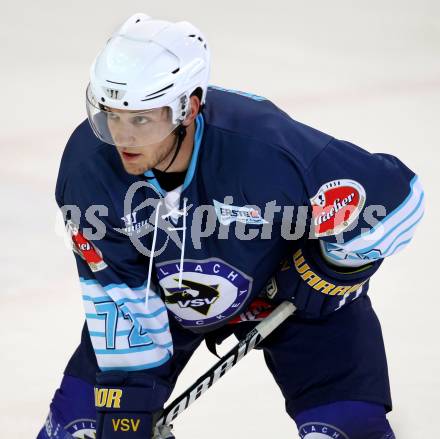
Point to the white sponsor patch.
(227, 213)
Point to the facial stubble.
(161, 154)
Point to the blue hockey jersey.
(265, 198)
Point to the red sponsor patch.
(336, 205)
(258, 309)
(85, 249)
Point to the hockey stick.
(252, 339)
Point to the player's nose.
(123, 139)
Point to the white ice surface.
(368, 72)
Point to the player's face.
(138, 160)
(139, 138)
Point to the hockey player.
(183, 202)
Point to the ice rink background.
(368, 72)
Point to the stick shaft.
(252, 339)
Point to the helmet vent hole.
(200, 39)
(192, 36)
(138, 20)
(102, 99)
(175, 71)
(125, 103)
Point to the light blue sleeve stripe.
(97, 334)
(143, 286)
(140, 366)
(384, 253)
(122, 301)
(125, 351)
(164, 328)
(402, 233)
(400, 245)
(121, 286)
(132, 350)
(344, 256)
(150, 297)
(336, 257)
(153, 314)
(95, 316)
(102, 334)
(394, 212)
(402, 204)
(127, 332)
(332, 255)
(99, 299)
(89, 281)
(414, 211)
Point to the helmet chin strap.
(181, 134)
(180, 131)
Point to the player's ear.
(193, 111)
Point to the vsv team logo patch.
(82, 429)
(210, 290)
(336, 205)
(320, 430)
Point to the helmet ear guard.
(183, 109)
(187, 109)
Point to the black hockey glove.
(314, 286)
(126, 403)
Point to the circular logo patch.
(210, 291)
(82, 428)
(319, 430)
(336, 205)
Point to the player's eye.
(140, 120)
(112, 116)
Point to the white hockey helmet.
(146, 66)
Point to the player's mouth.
(130, 156)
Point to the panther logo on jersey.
(205, 293)
(336, 205)
(320, 430)
(194, 295)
